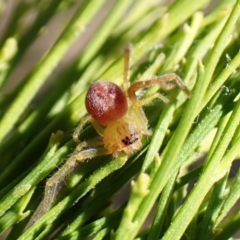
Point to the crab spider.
(118, 117)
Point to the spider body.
(124, 135)
(106, 102)
(124, 126)
(118, 117)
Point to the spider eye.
(106, 102)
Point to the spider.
(118, 117)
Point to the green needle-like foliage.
(184, 183)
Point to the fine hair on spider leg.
(118, 117)
(54, 183)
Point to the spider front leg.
(55, 183)
(84, 150)
(163, 82)
(79, 128)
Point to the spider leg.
(79, 128)
(96, 142)
(146, 100)
(126, 83)
(55, 183)
(162, 81)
